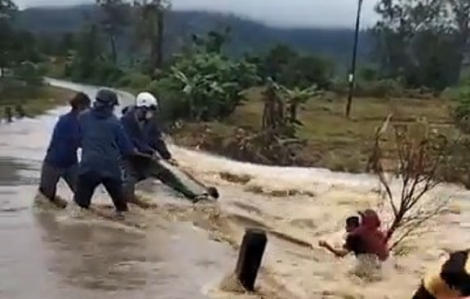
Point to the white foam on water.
(313, 273)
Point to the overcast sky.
(292, 13)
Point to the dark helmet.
(107, 97)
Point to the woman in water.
(366, 241)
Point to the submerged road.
(49, 255)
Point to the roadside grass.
(338, 143)
(37, 102)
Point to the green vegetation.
(21, 74)
(280, 105)
(46, 98)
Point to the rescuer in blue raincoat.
(61, 157)
(140, 125)
(104, 145)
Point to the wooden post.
(250, 256)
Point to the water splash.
(316, 211)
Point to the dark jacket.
(147, 138)
(62, 150)
(103, 142)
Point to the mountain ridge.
(247, 35)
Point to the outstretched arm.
(337, 252)
(157, 142)
(160, 146)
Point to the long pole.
(352, 72)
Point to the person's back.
(104, 143)
(100, 149)
(369, 234)
(61, 156)
(369, 245)
(63, 146)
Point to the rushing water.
(52, 255)
(46, 254)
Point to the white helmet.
(147, 100)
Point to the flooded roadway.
(49, 254)
(45, 254)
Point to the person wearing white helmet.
(146, 101)
(143, 130)
(141, 126)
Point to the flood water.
(183, 252)
(47, 254)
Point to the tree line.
(20, 72)
(418, 45)
(421, 42)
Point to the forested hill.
(246, 36)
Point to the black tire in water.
(250, 256)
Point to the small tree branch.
(418, 159)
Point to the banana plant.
(188, 88)
(297, 97)
(212, 83)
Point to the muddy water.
(317, 212)
(49, 254)
(299, 207)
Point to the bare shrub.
(418, 154)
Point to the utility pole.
(352, 71)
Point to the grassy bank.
(333, 141)
(37, 102)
